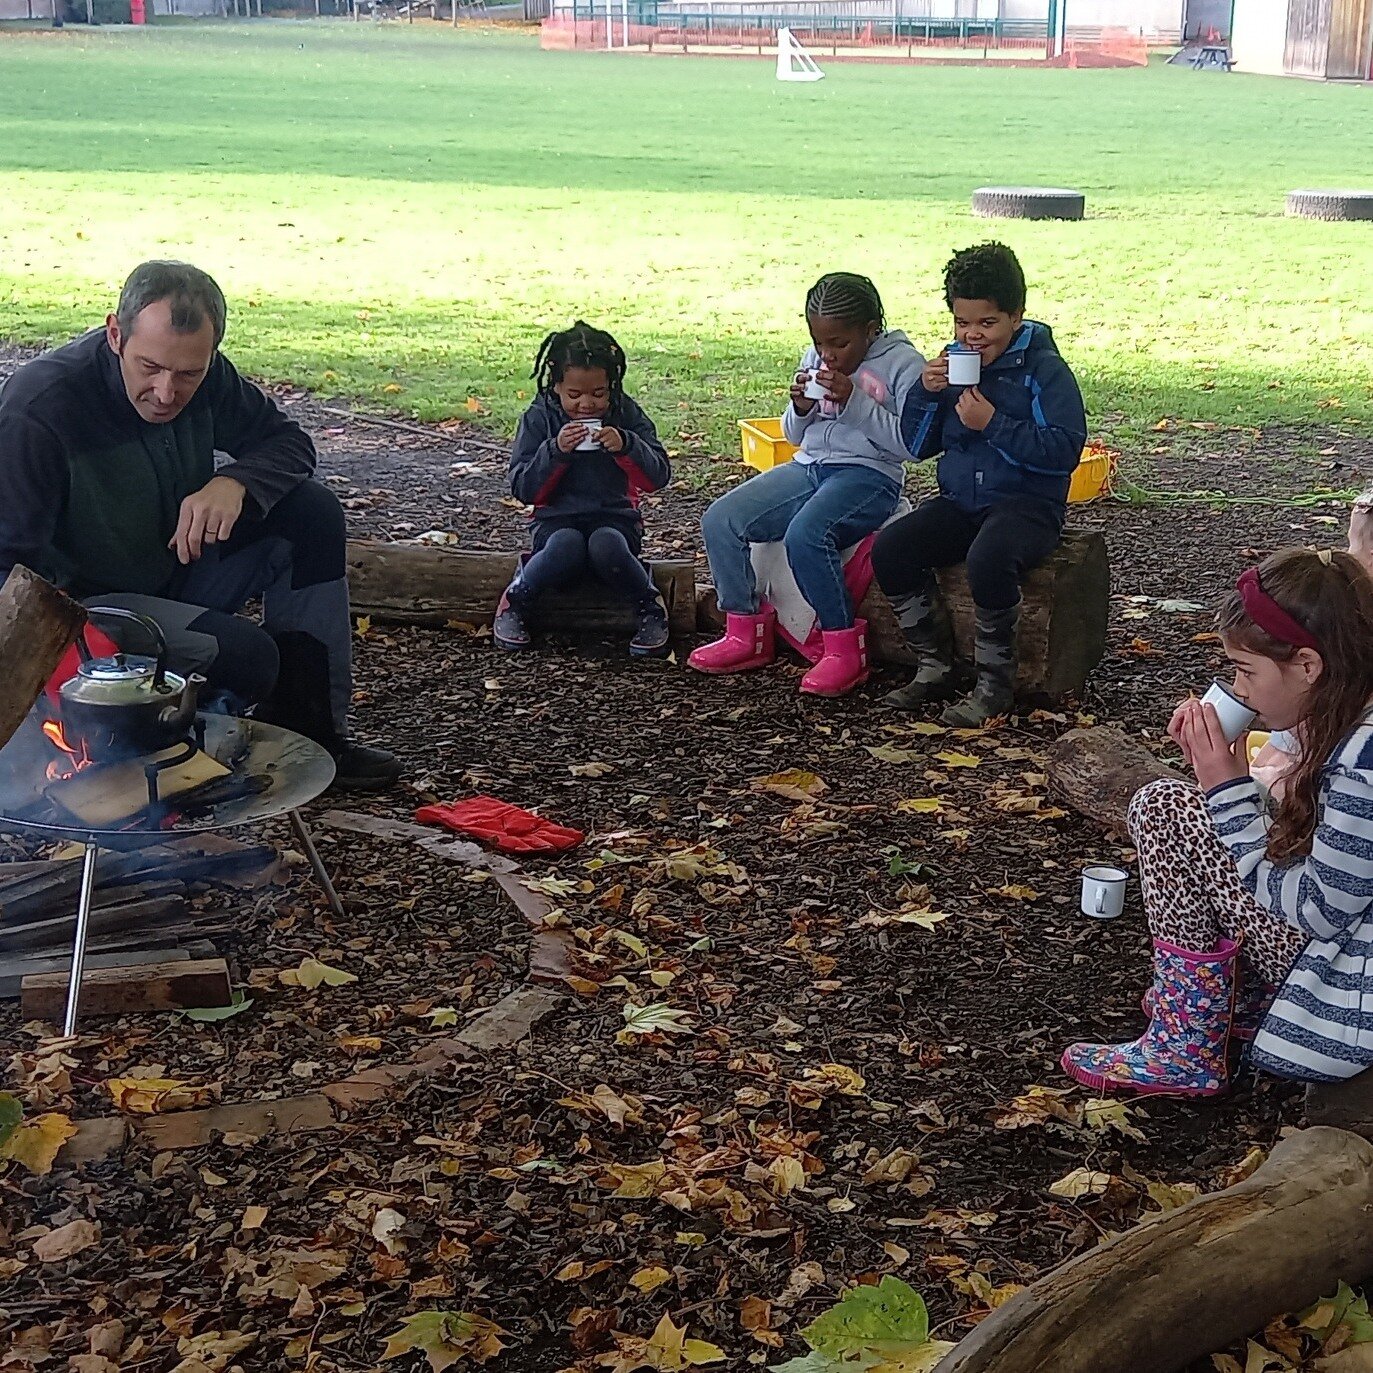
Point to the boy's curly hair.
(986, 271)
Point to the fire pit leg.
(306, 840)
(83, 920)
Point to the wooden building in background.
(1329, 40)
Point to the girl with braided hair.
(584, 452)
(843, 484)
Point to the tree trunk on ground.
(1098, 770)
(1171, 1291)
(37, 626)
(416, 583)
(1062, 627)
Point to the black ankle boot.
(300, 702)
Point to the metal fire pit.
(299, 770)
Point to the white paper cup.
(589, 443)
(1103, 892)
(1235, 716)
(814, 390)
(965, 367)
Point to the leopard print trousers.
(1193, 894)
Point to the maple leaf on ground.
(66, 1240)
(885, 753)
(149, 1096)
(34, 1143)
(1013, 892)
(650, 1279)
(1038, 1106)
(881, 1329)
(795, 784)
(959, 760)
(312, 974)
(667, 1350)
(654, 1018)
(445, 1337)
(1081, 1182)
(921, 805)
(1101, 1113)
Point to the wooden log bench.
(1159, 1296)
(424, 584)
(1062, 626)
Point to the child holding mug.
(1007, 447)
(843, 484)
(1277, 900)
(584, 451)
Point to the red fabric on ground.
(501, 825)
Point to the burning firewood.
(107, 794)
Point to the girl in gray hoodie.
(843, 485)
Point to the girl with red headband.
(1261, 909)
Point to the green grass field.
(398, 214)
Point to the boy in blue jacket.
(584, 452)
(1007, 449)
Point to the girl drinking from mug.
(1277, 900)
(583, 453)
(843, 484)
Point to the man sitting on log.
(110, 487)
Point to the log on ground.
(1164, 1294)
(415, 583)
(124, 990)
(1347, 1105)
(1098, 770)
(1062, 625)
(37, 626)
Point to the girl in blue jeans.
(843, 484)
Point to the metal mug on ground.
(1103, 892)
(1235, 716)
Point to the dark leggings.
(568, 554)
(1000, 547)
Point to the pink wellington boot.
(844, 664)
(749, 641)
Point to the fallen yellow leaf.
(37, 1142)
(312, 974)
(150, 1096)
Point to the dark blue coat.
(591, 485)
(1032, 443)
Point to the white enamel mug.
(1235, 716)
(814, 389)
(589, 444)
(1103, 892)
(965, 367)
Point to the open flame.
(74, 757)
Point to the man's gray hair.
(192, 294)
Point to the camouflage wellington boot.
(996, 663)
(924, 621)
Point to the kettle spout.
(179, 716)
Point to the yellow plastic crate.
(1090, 478)
(763, 444)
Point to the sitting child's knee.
(1159, 803)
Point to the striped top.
(1320, 1027)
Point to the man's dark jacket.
(90, 493)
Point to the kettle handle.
(150, 626)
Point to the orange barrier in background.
(859, 41)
